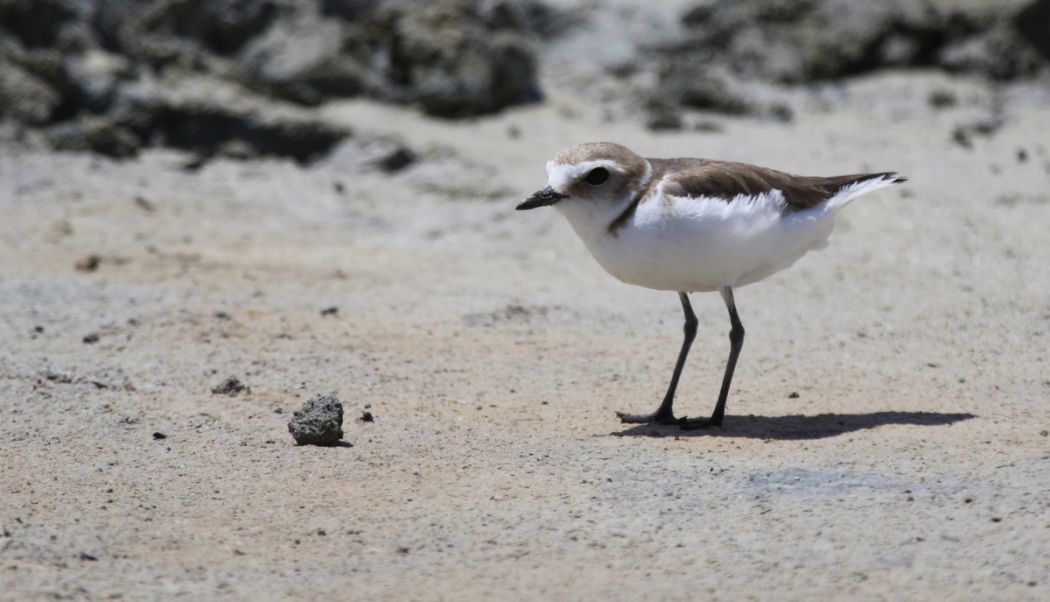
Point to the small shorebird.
(693, 225)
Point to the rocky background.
(213, 212)
(115, 76)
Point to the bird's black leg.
(736, 342)
(665, 414)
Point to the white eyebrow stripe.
(562, 175)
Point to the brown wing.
(727, 180)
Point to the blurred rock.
(25, 97)
(304, 60)
(794, 41)
(41, 23)
(79, 67)
(206, 121)
(1033, 23)
(452, 57)
(92, 133)
(735, 54)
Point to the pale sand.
(914, 463)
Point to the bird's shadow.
(797, 427)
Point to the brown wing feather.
(727, 180)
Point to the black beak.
(547, 196)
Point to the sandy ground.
(887, 432)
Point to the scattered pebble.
(143, 203)
(87, 557)
(942, 99)
(330, 311)
(367, 417)
(88, 264)
(793, 395)
(90, 339)
(231, 387)
(319, 422)
(159, 435)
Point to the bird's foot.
(654, 418)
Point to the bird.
(692, 225)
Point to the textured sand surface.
(913, 463)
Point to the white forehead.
(562, 175)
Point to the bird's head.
(592, 182)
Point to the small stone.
(90, 339)
(231, 387)
(88, 264)
(330, 311)
(319, 422)
(367, 417)
(942, 99)
(159, 435)
(793, 395)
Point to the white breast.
(703, 244)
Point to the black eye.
(597, 176)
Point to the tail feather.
(856, 186)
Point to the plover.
(693, 225)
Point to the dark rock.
(90, 339)
(209, 127)
(222, 26)
(88, 264)
(663, 113)
(25, 97)
(330, 311)
(1033, 24)
(396, 160)
(713, 93)
(964, 133)
(998, 53)
(39, 23)
(159, 435)
(449, 56)
(79, 67)
(231, 387)
(319, 422)
(367, 416)
(349, 10)
(794, 41)
(95, 134)
(365, 154)
(943, 99)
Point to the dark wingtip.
(896, 178)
